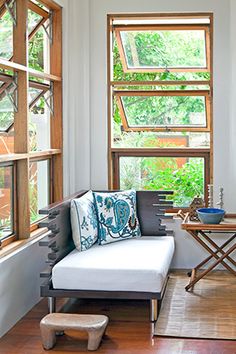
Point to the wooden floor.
(129, 332)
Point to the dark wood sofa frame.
(151, 206)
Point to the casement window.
(161, 110)
(152, 48)
(30, 114)
(160, 103)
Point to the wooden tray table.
(202, 233)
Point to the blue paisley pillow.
(117, 216)
(84, 221)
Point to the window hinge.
(11, 93)
(48, 28)
(49, 99)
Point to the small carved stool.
(94, 325)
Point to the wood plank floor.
(129, 332)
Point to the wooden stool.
(94, 325)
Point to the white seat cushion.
(138, 264)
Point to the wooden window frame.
(37, 9)
(169, 128)
(175, 27)
(156, 152)
(8, 79)
(22, 155)
(115, 153)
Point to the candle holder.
(220, 203)
(210, 196)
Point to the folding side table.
(203, 233)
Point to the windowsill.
(35, 236)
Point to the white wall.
(20, 283)
(76, 90)
(232, 159)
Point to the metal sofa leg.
(153, 310)
(51, 304)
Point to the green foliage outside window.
(164, 48)
(151, 173)
(161, 111)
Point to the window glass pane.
(6, 36)
(120, 75)
(164, 49)
(33, 20)
(157, 111)
(34, 93)
(163, 87)
(159, 139)
(7, 142)
(6, 122)
(39, 188)
(39, 122)
(40, 5)
(133, 139)
(6, 113)
(6, 201)
(39, 51)
(162, 21)
(183, 175)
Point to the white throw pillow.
(84, 222)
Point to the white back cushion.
(84, 221)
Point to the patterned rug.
(207, 312)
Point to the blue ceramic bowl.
(210, 215)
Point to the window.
(160, 103)
(156, 47)
(30, 114)
(39, 187)
(164, 110)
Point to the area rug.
(207, 312)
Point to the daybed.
(136, 268)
